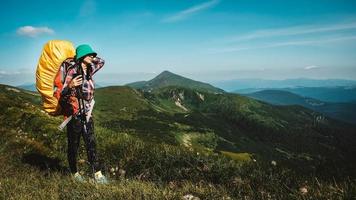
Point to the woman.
(79, 85)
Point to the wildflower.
(112, 170)
(274, 163)
(81, 161)
(254, 160)
(190, 197)
(303, 190)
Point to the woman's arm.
(97, 64)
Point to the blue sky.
(206, 40)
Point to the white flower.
(274, 163)
(188, 197)
(303, 190)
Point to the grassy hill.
(341, 111)
(328, 94)
(177, 141)
(167, 78)
(336, 94)
(228, 122)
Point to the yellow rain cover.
(53, 54)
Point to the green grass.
(147, 145)
(242, 157)
(158, 172)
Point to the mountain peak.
(166, 73)
(167, 78)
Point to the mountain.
(30, 87)
(167, 78)
(238, 124)
(328, 94)
(280, 97)
(240, 84)
(341, 111)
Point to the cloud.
(31, 31)
(286, 43)
(88, 8)
(190, 11)
(21, 71)
(311, 67)
(296, 30)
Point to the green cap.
(83, 50)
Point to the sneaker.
(100, 178)
(79, 178)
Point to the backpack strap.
(69, 63)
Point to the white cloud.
(190, 11)
(23, 71)
(8, 73)
(31, 31)
(296, 30)
(311, 67)
(286, 43)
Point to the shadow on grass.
(43, 162)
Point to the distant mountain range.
(341, 111)
(339, 94)
(241, 84)
(167, 78)
(30, 87)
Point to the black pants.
(74, 131)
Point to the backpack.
(50, 75)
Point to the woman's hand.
(76, 81)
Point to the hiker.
(79, 85)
